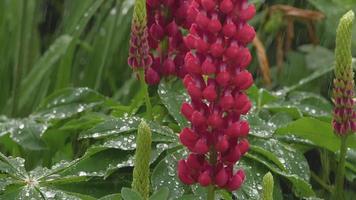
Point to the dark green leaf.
(173, 94)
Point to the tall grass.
(47, 45)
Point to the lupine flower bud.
(216, 82)
(244, 146)
(187, 110)
(141, 180)
(166, 45)
(188, 137)
(223, 144)
(152, 76)
(226, 6)
(234, 183)
(344, 121)
(221, 178)
(201, 146)
(184, 173)
(205, 178)
(195, 161)
(139, 49)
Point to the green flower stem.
(144, 87)
(324, 157)
(340, 174)
(321, 182)
(211, 193)
(211, 188)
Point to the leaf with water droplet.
(13, 166)
(295, 166)
(25, 132)
(173, 94)
(68, 102)
(165, 175)
(252, 187)
(115, 126)
(322, 136)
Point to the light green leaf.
(129, 194)
(161, 194)
(322, 136)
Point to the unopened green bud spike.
(268, 185)
(141, 173)
(344, 115)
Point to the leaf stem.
(324, 157)
(339, 183)
(211, 193)
(321, 182)
(144, 87)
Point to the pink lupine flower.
(165, 19)
(139, 49)
(216, 81)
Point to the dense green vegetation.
(70, 105)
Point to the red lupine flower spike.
(216, 82)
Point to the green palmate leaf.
(111, 197)
(130, 194)
(112, 126)
(322, 136)
(161, 194)
(295, 166)
(165, 175)
(113, 154)
(25, 132)
(40, 183)
(68, 102)
(31, 83)
(31, 133)
(173, 94)
(310, 104)
(260, 127)
(252, 187)
(15, 167)
(260, 96)
(293, 111)
(115, 126)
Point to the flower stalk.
(144, 87)
(216, 82)
(340, 174)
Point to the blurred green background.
(47, 45)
